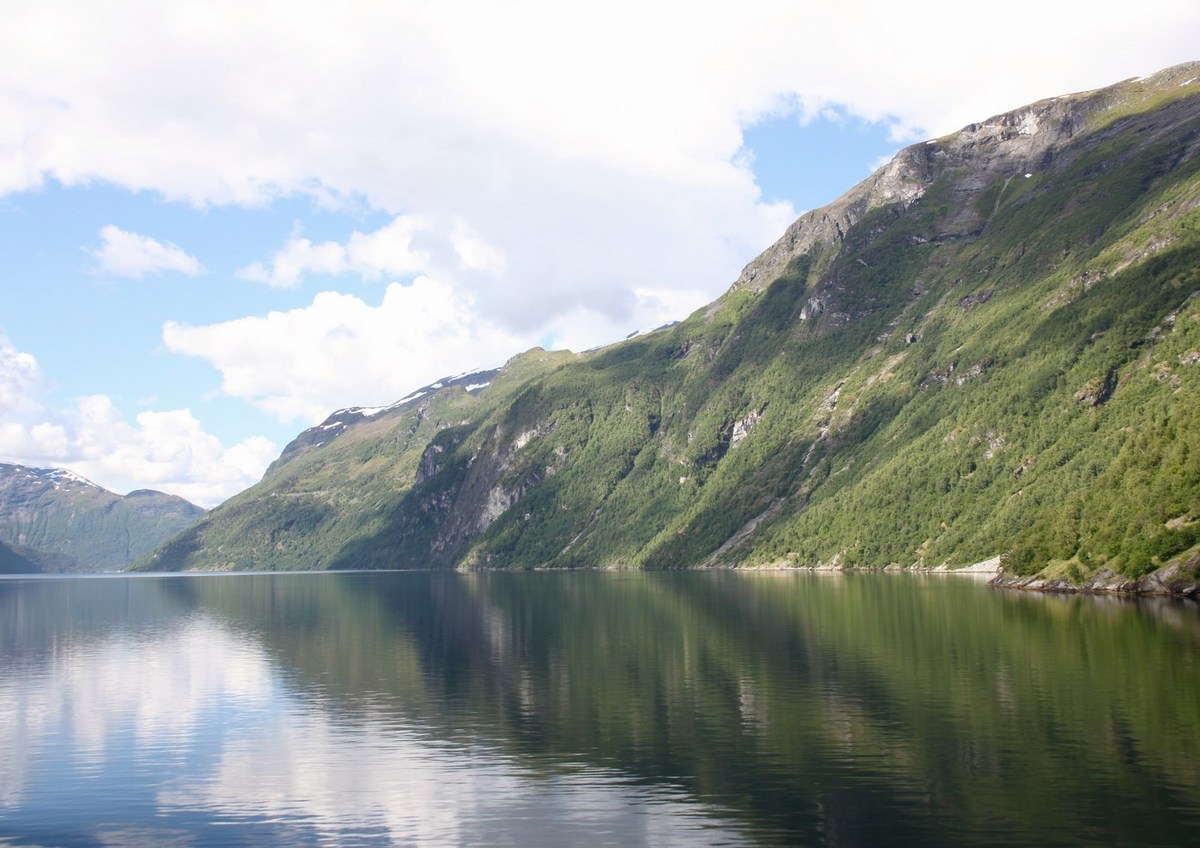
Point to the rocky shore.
(1175, 580)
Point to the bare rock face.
(902, 181)
(1098, 390)
(486, 491)
(1175, 580)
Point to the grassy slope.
(916, 394)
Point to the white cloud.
(595, 151)
(388, 251)
(169, 451)
(20, 380)
(236, 103)
(341, 351)
(125, 254)
(299, 365)
(474, 253)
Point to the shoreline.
(1167, 582)
(1171, 582)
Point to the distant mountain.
(989, 348)
(59, 521)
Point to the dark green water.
(597, 709)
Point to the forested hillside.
(990, 347)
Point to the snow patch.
(339, 418)
(646, 331)
(369, 411)
(411, 397)
(67, 476)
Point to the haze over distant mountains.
(990, 347)
(54, 520)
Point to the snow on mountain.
(339, 421)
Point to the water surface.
(607, 709)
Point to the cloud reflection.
(89, 695)
(199, 720)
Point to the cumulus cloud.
(125, 254)
(165, 450)
(213, 105)
(391, 251)
(20, 380)
(474, 253)
(520, 118)
(341, 351)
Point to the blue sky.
(219, 223)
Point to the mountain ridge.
(337, 422)
(1041, 127)
(985, 316)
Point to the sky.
(222, 221)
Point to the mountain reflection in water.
(623, 708)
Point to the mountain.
(59, 521)
(990, 347)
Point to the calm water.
(622, 709)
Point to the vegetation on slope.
(996, 351)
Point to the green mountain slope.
(58, 521)
(991, 346)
